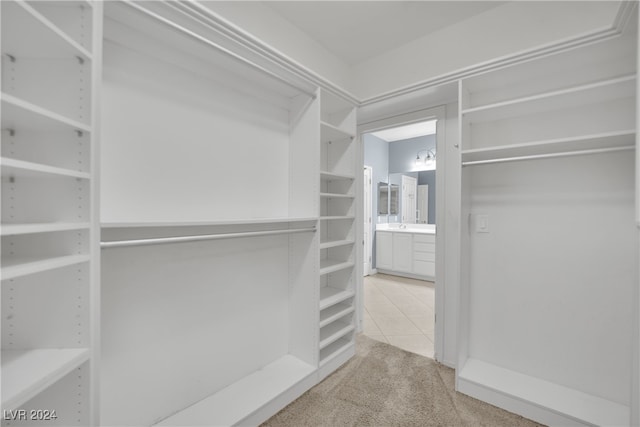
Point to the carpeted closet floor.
(386, 386)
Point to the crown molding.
(287, 64)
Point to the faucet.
(403, 226)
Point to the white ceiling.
(358, 30)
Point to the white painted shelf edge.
(16, 229)
(330, 265)
(329, 132)
(330, 296)
(335, 243)
(601, 140)
(336, 217)
(234, 403)
(30, 109)
(24, 266)
(335, 312)
(54, 28)
(551, 94)
(20, 165)
(563, 400)
(206, 223)
(333, 332)
(337, 196)
(28, 372)
(334, 350)
(336, 176)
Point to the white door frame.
(367, 219)
(438, 113)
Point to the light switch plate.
(482, 223)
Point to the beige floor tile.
(380, 338)
(424, 323)
(395, 325)
(418, 344)
(369, 326)
(382, 309)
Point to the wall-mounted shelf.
(29, 372)
(18, 113)
(337, 217)
(335, 312)
(599, 91)
(47, 227)
(17, 267)
(329, 176)
(333, 332)
(331, 133)
(46, 39)
(330, 265)
(625, 138)
(335, 243)
(330, 296)
(30, 169)
(335, 349)
(336, 196)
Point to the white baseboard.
(539, 400)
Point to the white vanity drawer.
(423, 247)
(424, 268)
(424, 238)
(424, 256)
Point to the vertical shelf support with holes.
(50, 70)
(338, 158)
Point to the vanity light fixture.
(429, 157)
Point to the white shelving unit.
(337, 232)
(547, 187)
(235, 317)
(50, 62)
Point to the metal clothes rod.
(219, 48)
(196, 238)
(546, 156)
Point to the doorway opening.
(400, 235)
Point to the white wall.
(501, 31)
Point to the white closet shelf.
(17, 267)
(207, 223)
(19, 114)
(46, 40)
(585, 408)
(336, 217)
(335, 312)
(26, 373)
(22, 168)
(334, 349)
(333, 332)
(330, 296)
(331, 265)
(604, 90)
(45, 227)
(336, 196)
(331, 176)
(623, 138)
(231, 405)
(329, 132)
(335, 243)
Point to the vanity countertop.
(408, 228)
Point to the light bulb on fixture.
(428, 161)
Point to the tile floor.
(400, 312)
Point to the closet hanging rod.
(200, 237)
(219, 48)
(547, 156)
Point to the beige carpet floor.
(386, 386)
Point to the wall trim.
(260, 48)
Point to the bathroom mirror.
(387, 199)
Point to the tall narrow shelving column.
(337, 232)
(49, 54)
